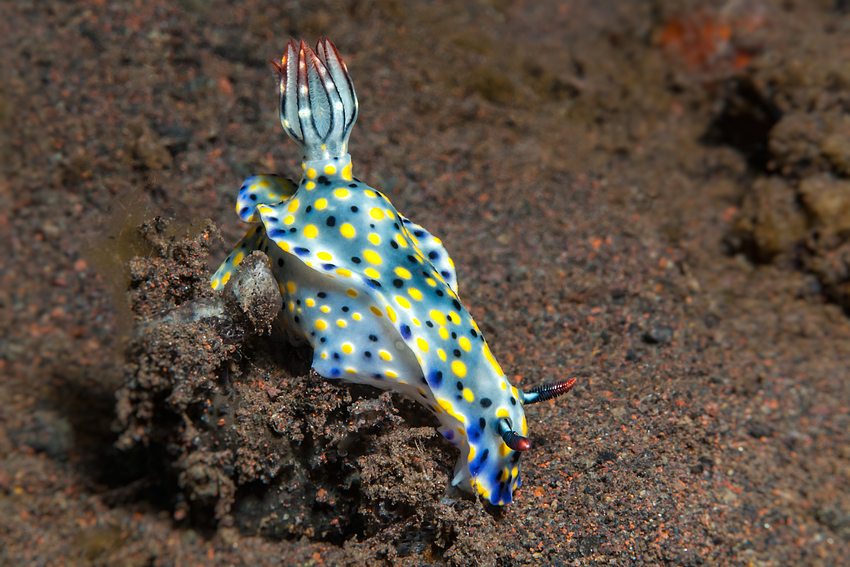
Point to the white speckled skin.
(374, 294)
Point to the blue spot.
(334, 372)
(474, 432)
(435, 378)
(328, 266)
(374, 284)
(405, 332)
(478, 462)
(276, 233)
(301, 251)
(449, 434)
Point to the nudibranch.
(372, 292)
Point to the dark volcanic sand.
(652, 197)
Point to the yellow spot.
(402, 301)
(310, 186)
(504, 385)
(447, 405)
(374, 239)
(324, 355)
(238, 259)
(514, 392)
(346, 172)
(341, 193)
(459, 368)
(489, 356)
(272, 195)
(385, 355)
(290, 287)
(351, 371)
(392, 374)
(442, 354)
(468, 395)
(454, 317)
(311, 173)
(464, 344)
(451, 262)
(262, 183)
(321, 325)
(325, 308)
(462, 431)
(310, 302)
(347, 230)
(283, 246)
(416, 322)
(347, 348)
(391, 313)
(422, 344)
(401, 272)
(321, 204)
(292, 306)
(515, 472)
(357, 316)
(431, 281)
(444, 333)
(377, 213)
(471, 456)
(415, 294)
(504, 450)
(370, 193)
(502, 413)
(215, 283)
(438, 317)
(438, 241)
(524, 427)
(340, 323)
(376, 311)
(372, 273)
(264, 209)
(289, 219)
(422, 392)
(325, 256)
(351, 293)
(372, 257)
(293, 206)
(505, 474)
(344, 272)
(401, 241)
(310, 231)
(281, 288)
(330, 170)
(389, 211)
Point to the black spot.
(377, 377)
(418, 233)
(280, 262)
(459, 397)
(272, 219)
(371, 225)
(355, 259)
(426, 274)
(331, 221)
(297, 302)
(312, 333)
(456, 303)
(454, 335)
(309, 208)
(433, 255)
(367, 354)
(459, 385)
(252, 196)
(473, 333)
(274, 233)
(439, 293)
(430, 324)
(398, 283)
(322, 294)
(243, 210)
(354, 208)
(266, 249)
(435, 378)
(412, 258)
(322, 179)
(345, 309)
(297, 320)
(244, 244)
(405, 332)
(329, 266)
(336, 356)
(395, 224)
(354, 185)
(375, 283)
(445, 274)
(486, 402)
(293, 229)
(323, 339)
(449, 317)
(373, 338)
(394, 244)
(482, 422)
(456, 352)
(513, 401)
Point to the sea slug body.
(372, 292)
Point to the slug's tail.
(318, 105)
